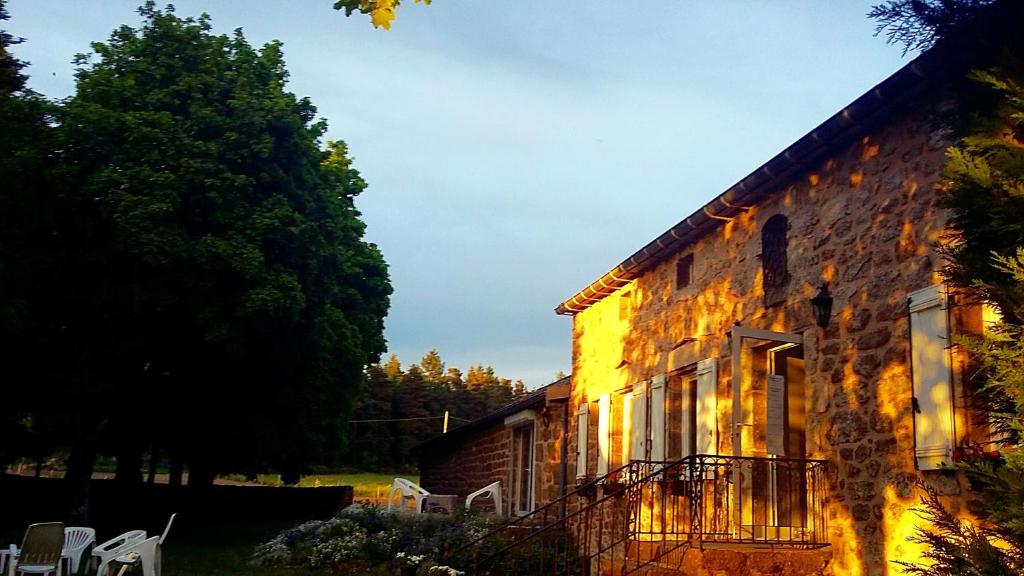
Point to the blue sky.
(518, 149)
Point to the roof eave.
(836, 131)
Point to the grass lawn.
(225, 549)
(365, 484)
(222, 550)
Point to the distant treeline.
(401, 408)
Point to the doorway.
(769, 434)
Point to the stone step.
(608, 567)
(669, 552)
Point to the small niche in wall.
(684, 271)
(774, 262)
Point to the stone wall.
(867, 222)
(478, 460)
(484, 457)
(548, 455)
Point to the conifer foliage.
(402, 408)
(983, 182)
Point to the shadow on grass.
(222, 549)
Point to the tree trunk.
(200, 475)
(154, 458)
(129, 465)
(79, 477)
(177, 468)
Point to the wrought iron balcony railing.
(643, 517)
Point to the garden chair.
(76, 540)
(104, 553)
(493, 491)
(145, 553)
(40, 551)
(407, 490)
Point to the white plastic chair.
(104, 553)
(76, 540)
(145, 553)
(407, 490)
(493, 491)
(40, 551)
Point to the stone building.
(707, 341)
(520, 445)
(755, 430)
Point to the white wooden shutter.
(638, 422)
(932, 386)
(604, 413)
(657, 427)
(627, 427)
(707, 407)
(582, 430)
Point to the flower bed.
(369, 540)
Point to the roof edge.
(835, 131)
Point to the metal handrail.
(519, 520)
(686, 502)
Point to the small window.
(684, 270)
(609, 433)
(522, 469)
(681, 427)
(691, 426)
(625, 305)
(774, 263)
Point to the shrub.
(369, 540)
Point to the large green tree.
(211, 292)
(27, 251)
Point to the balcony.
(645, 517)
(730, 499)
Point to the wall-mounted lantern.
(822, 305)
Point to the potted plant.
(613, 484)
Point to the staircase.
(643, 517)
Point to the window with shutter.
(638, 423)
(627, 426)
(677, 417)
(706, 408)
(582, 433)
(932, 383)
(604, 414)
(611, 421)
(615, 433)
(657, 428)
(522, 469)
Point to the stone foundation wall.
(866, 221)
(738, 562)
